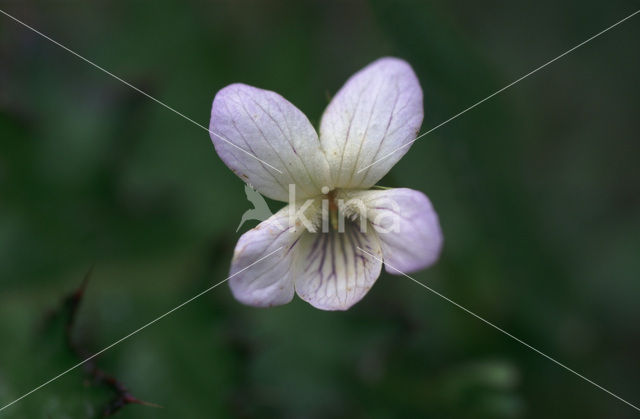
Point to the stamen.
(333, 209)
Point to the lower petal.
(261, 266)
(331, 272)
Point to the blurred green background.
(538, 192)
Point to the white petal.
(406, 224)
(378, 110)
(268, 282)
(331, 273)
(265, 129)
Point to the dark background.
(538, 192)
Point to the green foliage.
(536, 190)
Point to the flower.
(335, 233)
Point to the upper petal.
(268, 282)
(331, 273)
(406, 224)
(378, 110)
(259, 126)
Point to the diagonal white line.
(134, 332)
(136, 89)
(501, 90)
(502, 330)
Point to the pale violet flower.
(377, 110)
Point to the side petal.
(378, 110)
(253, 129)
(406, 224)
(331, 273)
(268, 282)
